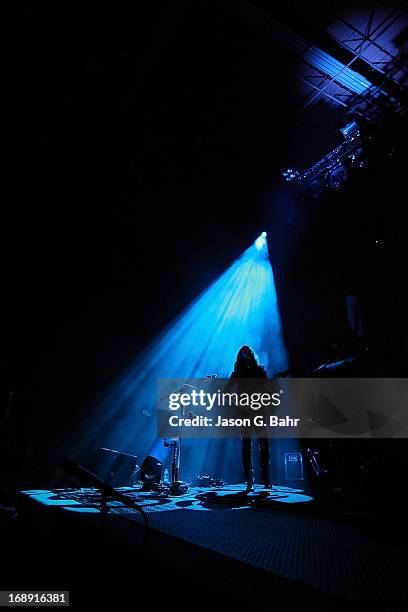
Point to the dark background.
(143, 154)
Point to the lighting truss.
(366, 44)
(340, 72)
(343, 155)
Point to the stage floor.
(329, 555)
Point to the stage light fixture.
(315, 187)
(150, 473)
(336, 177)
(260, 242)
(290, 175)
(358, 159)
(350, 130)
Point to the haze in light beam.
(239, 307)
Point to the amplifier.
(294, 466)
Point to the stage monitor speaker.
(115, 468)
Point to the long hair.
(246, 360)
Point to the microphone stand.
(178, 487)
(107, 492)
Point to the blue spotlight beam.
(239, 307)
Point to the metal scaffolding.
(368, 40)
